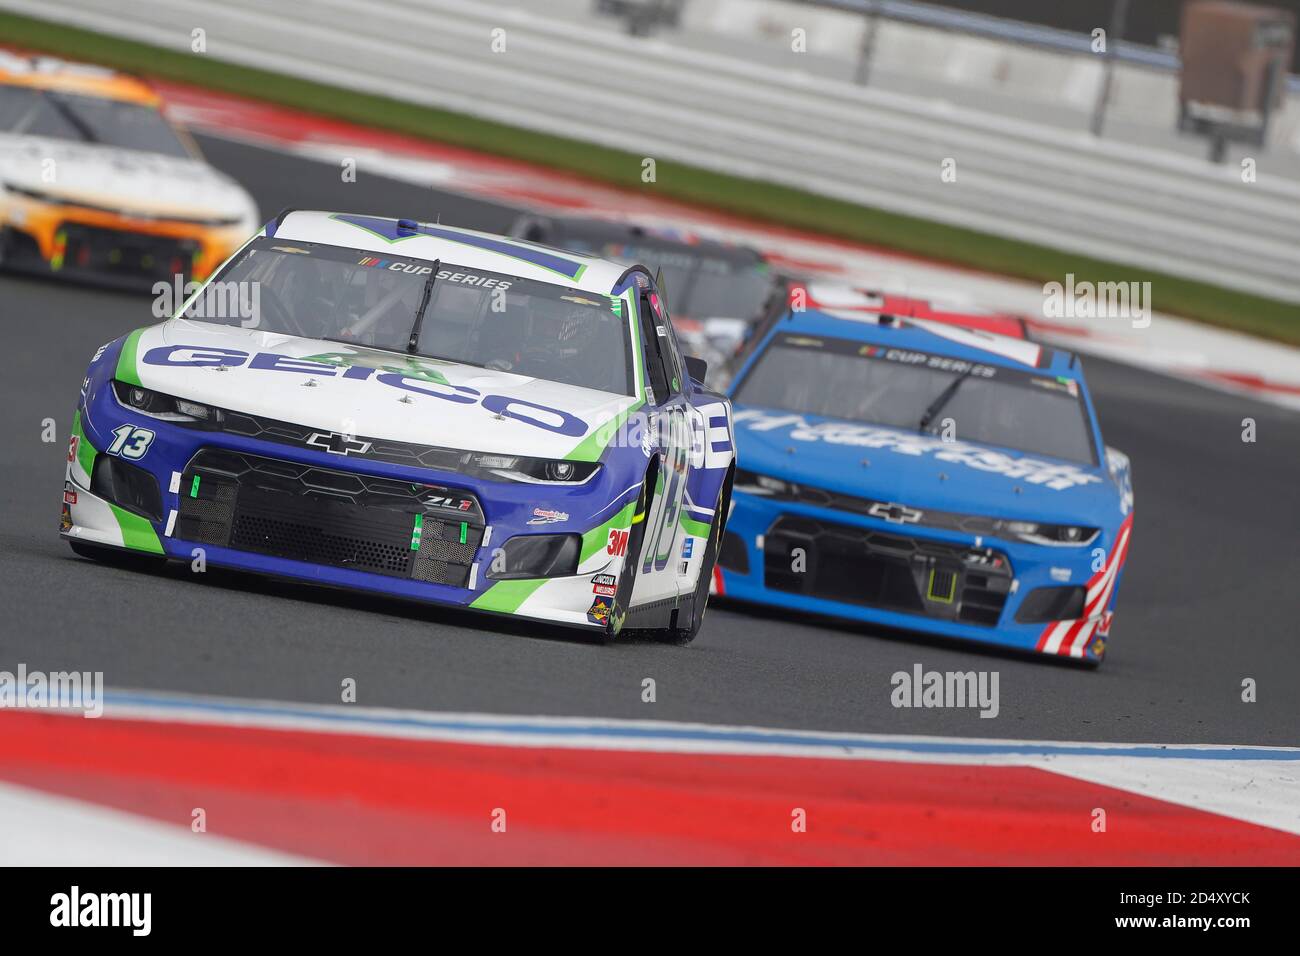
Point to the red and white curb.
(353, 785)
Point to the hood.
(147, 184)
(920, 470)
(376, 394)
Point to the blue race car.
(925, 476)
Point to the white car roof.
(452, 245)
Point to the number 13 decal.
(130, 441)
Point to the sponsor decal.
(548, 516)
(412, 367)
(410, 268)
(1060, 574)
(942, 363)
(530, 413)
(69, 496)
(1059, 384)
(687, 547)
(603, 580)
(483, 282)
(337, 444)
(450, 502)
(600, 610)
(895, 513)
(1054, 475)
(607, 589)
(73, 442)
(617, 543)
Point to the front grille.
(341, 519)
(895, 572)
(900, 514)
(127, 253)
(380, 449)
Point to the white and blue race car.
(418, 410)
(921, 475)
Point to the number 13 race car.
(417, 410)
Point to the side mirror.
(696, 368)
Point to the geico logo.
(530, 413)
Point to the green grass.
(767, 202)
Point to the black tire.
(628, 578)
(684, 634)
(118, 557)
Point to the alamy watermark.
(55, 690)
(1098, 300)
(217, 300)
(922, 688)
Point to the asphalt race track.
(1210, 596)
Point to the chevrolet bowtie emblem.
(899, 514)
(337, 444)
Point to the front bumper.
(107, 247)
(295, 512)
(827, 562)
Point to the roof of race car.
(649, 237)
(938, 338)
(47, 73)
(462, 247)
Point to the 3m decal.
(617, 543)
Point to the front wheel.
(685, 632)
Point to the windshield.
(87, 119)
(489, 319)
(837, 378)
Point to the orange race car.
(95, 182)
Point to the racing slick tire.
(700, 599)
(623, 596)
(674, 634)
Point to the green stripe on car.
(85, 450)
(137, 532)
(506, 596)
(593, 446)
(699, 529)
(597, 538)
(126, 361)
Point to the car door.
(658, 575)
